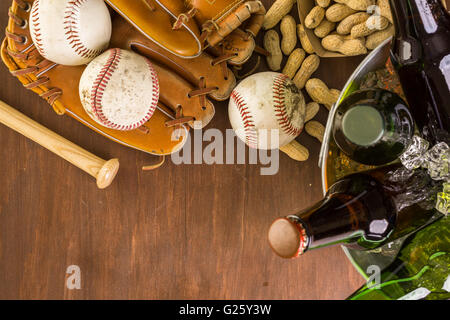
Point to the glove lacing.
(208, 27)
(201, 93)
(52, 94)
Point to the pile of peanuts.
(351, 27)
(301, 64)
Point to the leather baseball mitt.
(186, 86)
(187, 27)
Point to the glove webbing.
(52, 94)
(226, 26)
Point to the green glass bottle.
(420, 271)
(373, 126)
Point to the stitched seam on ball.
(155, 93)
(247, 119)
(99, 87)
(37, 28)
(71, 25)
(279, 86)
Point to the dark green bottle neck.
(373, 126)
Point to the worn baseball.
(263, 105)
(70, 32)
(119, 89)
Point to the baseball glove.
(185, 85)
(187, 27)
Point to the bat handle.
(103, 171)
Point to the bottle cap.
(288, 238)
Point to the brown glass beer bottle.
(362, 211)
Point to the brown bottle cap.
(287, 238)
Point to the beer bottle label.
(405, 51)
(417, 294)
(445, 68)
(429, 22)
(446, 285)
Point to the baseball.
(270, 101)
(119, 89)
(70, 32)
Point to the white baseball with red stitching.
(266, 100)
(70, 32)
(119, 89)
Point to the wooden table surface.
(180, 232)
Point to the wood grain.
(180, 232)
(103, 171)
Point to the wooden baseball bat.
(104, 171)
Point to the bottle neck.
(329, 222)
(432, 24)
(400, 15)
(420, 53)
(407, 48)
(356, 211)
